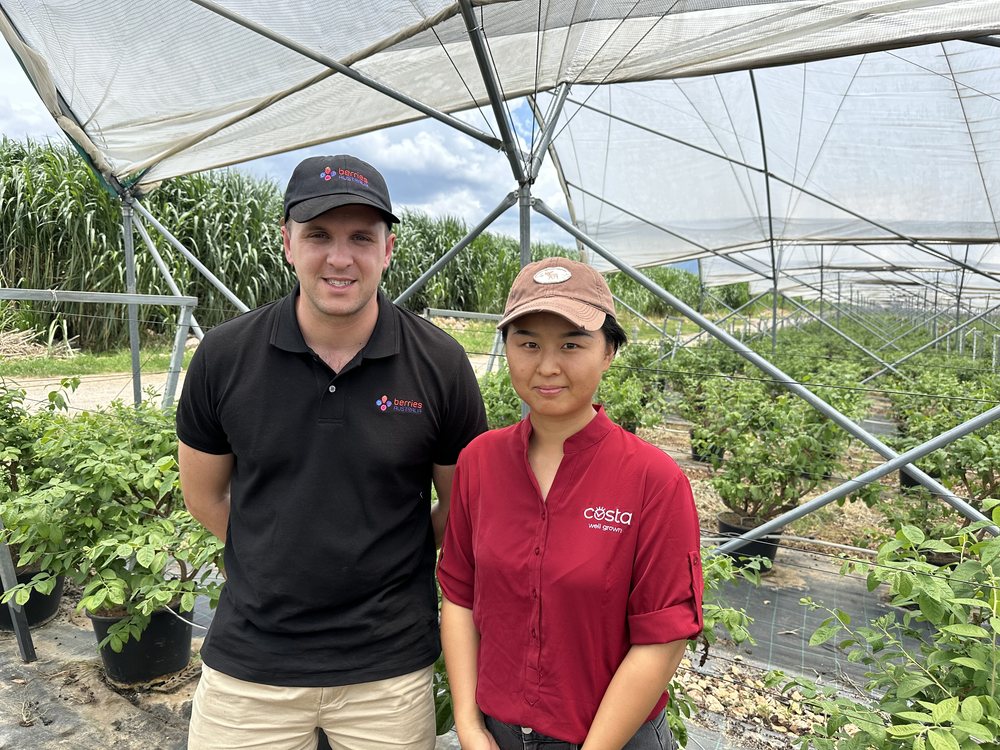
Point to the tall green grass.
(59, 229)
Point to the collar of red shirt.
(590, 435)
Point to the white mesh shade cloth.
(902, 137)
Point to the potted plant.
(35, 569)
(109, 484)
(773, 463)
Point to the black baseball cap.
(320, 183)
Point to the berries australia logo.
(403, 405)
(344, 174)
(611, 520)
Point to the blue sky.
(477, 177)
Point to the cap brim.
(310, 208)
(580, 314)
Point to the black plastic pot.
(730, 526)
(39, 609)
(906, 481)
(164, 648)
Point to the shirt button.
(332, 389)
(537, 551)
(543, 515)
(533, 634)
(534, 594)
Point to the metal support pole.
(164, 271)
(842, 335)
(548, 130)
(524, 214)
(902, 461)
(509, 200)
(913, 328)
(489, 75)
(495, 351)
(350, 72)
(639, 315)
(177, 356)
(8, 579)
(212, 278)
(735, 312)
(779, 376)
(946, 336)
(133, 309)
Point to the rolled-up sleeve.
(665, 601)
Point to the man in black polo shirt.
(311, 430)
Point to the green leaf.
(965, 630)
(904, 730)
(911, 686)
(914, 716)
(968, 661)
(974, 729)
(970, 602)
(942, 739)
(913, 535)
(825, 632)
(945, 711)
(144, 556)
(972, 709)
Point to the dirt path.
(97, 391)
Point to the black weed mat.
(782, 626)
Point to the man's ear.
(390, 244)
(286, 241)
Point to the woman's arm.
(637, 685)
(460, 640)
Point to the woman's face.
(556, 367)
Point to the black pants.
(653, 735)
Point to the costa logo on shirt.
(605, 519)
(402, 405)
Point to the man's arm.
(205, 485)
(637, 685)
(442, 476)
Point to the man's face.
(339, 257)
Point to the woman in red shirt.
(570, 569)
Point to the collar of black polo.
(287, 336)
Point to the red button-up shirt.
(561, 589)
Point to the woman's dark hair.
(614, 334)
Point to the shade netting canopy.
(862, 141)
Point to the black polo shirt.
(329, 553)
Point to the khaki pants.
(231, 714)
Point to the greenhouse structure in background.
(841, 151)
